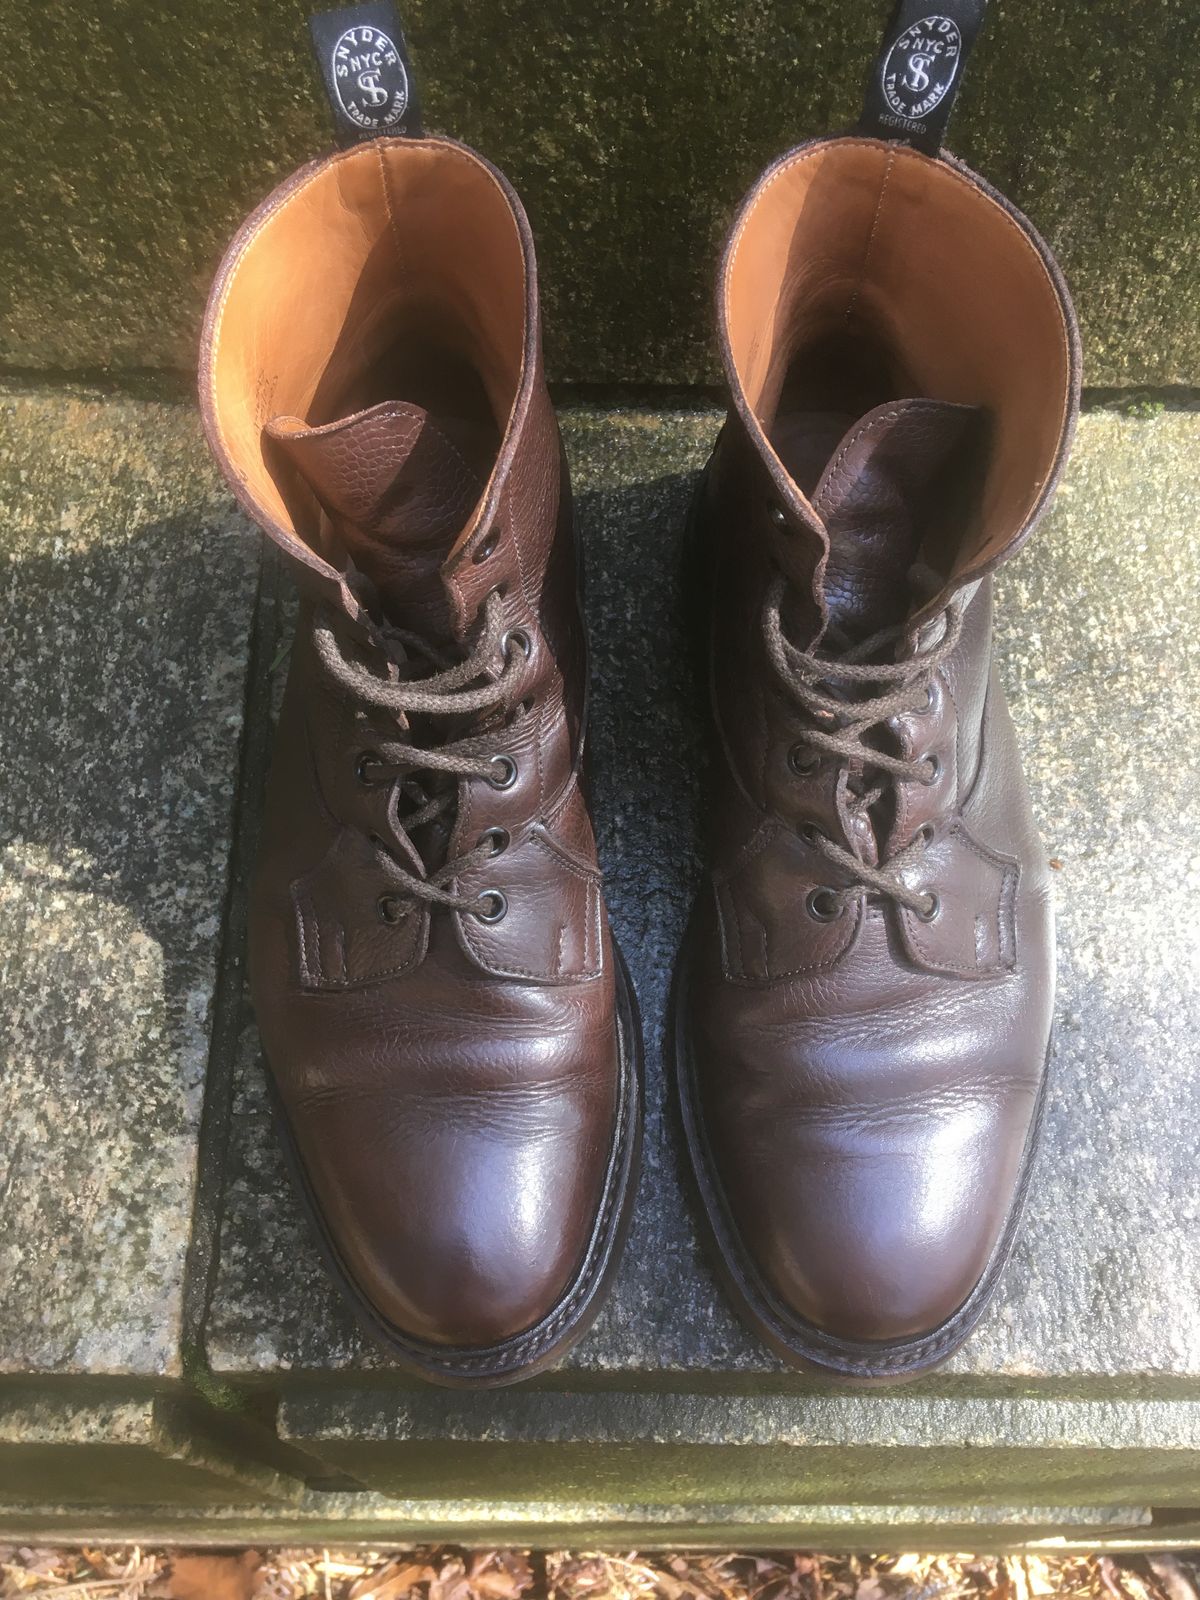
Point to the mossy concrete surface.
(135, 135)
(123, 1451)
(372, 1520)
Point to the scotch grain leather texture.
(865, 999)
(458, 1089)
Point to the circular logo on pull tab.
(372, 84)
(921, 66)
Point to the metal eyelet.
(823, 905)
(803, 761)
(519, 638)
(935, 909)
(925, 833)
(488, 547)
(367, 759)
(391, 909)
(492, 906)
(498, 838)
(810, 833)
(930, 701)
(506, 772)
(778, 516)
(934, 764)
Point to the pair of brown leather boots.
(864, 1001)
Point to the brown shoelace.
(443, 693)
(811, 678)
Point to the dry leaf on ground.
(209, 1577)
(1173, 1577)
(444, 1573)
(394, 1581)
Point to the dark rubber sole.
(801, 1344)
(538, 1347)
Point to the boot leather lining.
(377, 251)
(856, 238)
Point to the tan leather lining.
(879, 239)
(390, 236)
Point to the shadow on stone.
(124, 659)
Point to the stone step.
(1083, 1386)
(128, 1453)
(166, 1329)
(676, 1449)
(1103, 666)
(373, 1520)
(127, 603)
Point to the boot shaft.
(371, 379)
(859, 272)
(372, 386)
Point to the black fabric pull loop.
(916, 76)
(364, 65)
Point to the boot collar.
(300, 288)
(849, 232)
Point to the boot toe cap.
(460, 1240)
(877, 1229)
(460, 1226)
(876, 1262)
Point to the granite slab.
(1102, 660)
(127, 590)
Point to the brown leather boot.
(865, 996)
(449, 1030)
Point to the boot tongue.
(877, 484)
(398, 487)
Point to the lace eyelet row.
(491, 907)
(505, 775)
(824, 904)
(804, 762)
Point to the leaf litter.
(444, 1572)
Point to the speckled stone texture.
(1102, 660)
(133, 138)
(127, 586)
